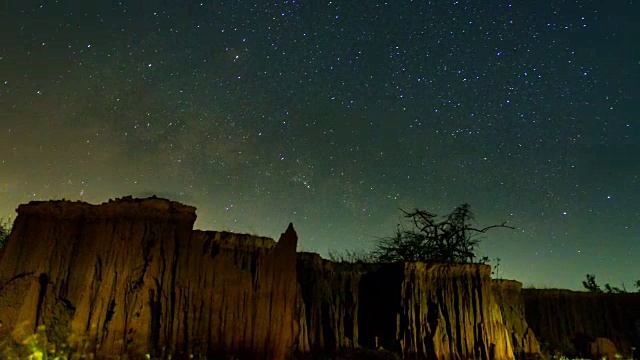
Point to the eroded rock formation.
(331, 295)
(423, 311)
(241, 298)
(570, 321)
(508, 296)
(131, 277)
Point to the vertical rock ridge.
(419, 310)
(331, 296)
(455, 301)
(508, 296)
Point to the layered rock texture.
(448, 312)
(578, 323)
(331, 295)
(131, 277)
(508, 296)
(421, 311)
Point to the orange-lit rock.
(448, 312)
(132, 277)
(602, 348)
(508, 296)
(423, 311)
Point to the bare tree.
(590, 284)
(450, 239)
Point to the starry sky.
(334, 114)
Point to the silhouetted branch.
(451, 240)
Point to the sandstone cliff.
(572, 321)
(241, 298)
(423, 311)
(448, 312)
(331, 295)
(131, 277)
(508, 295)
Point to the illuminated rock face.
(131, 276)
(451, 309)
(508, 296)
(572, 321)
(240, 298)
(424, 311)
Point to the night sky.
(334, 114)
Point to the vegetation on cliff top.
(427, 237)
(591, 285)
